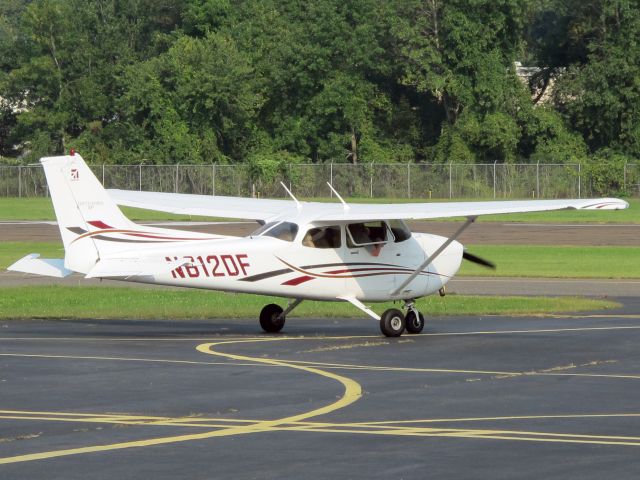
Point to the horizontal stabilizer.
(50, 267)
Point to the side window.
(284, 231)
(322, 237)
(366, 233)
(400, 230)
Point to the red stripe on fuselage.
(298, 280)
(99, 224)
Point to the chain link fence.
(493, 180)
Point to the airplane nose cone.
(445, 265)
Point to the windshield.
(400, 230)
(284, 231)
(263, 228)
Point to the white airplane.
(302, 250)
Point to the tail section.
(81, 205)
(98, 239)
(93, 228)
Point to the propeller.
(480, 261)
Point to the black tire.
(413, 323)
(392, 323)
(269, 320)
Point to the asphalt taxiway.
(473, 397)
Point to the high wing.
(265, 209)
(418, 211)
(204, 205)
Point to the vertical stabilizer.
(79, 201)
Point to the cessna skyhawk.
(302, 250)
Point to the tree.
(598, 69)
(194, 103)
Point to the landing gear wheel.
(270, 319)
(392, 323)
(414, 323)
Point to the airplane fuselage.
(270, 266)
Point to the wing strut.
(433, 256)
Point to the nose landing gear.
(414, 321)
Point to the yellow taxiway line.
(352, 392)
(299, 422)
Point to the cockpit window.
(369, 233)
(400, 230)
(322, 237)
(284, 231)
(263, 228)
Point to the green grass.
(556, 261)
(42, 209)
(10, 252)
(141, 303)
(512, 260)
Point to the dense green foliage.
(270, 82)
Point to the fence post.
(371, 180)
(290, 178)
(494, 178)
(538, 179)
(624, 177)
(409, 180)
(331, 178)
(140, 177)
(19, 180)
(175, 182)
(579, 180)
(213, 179)
(450, 180)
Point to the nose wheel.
(414, 321)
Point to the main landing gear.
(393, 323)
(272, 316)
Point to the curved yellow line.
(352, 389)
(352, 392)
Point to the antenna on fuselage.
(298, 205)
(344, 204)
